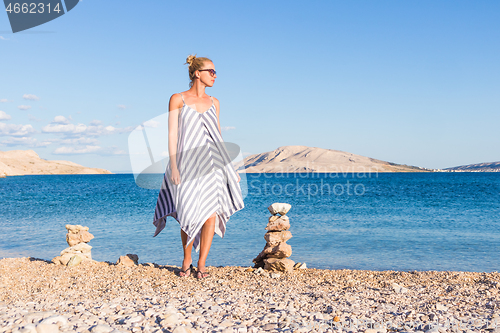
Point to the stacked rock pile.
(78, 250)
(275, 253)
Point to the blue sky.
(411, 82)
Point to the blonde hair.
(195, 63)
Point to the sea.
(365, 221)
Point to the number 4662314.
(31, 8)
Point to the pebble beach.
(40, 296)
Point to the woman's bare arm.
(174, 108)
(217, 110)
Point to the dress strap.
(212, 99)
(182, 98)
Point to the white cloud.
(31, 97)
(71, 150)
(64, 128)
(25, 141)
(24, 107)
(95, 122)
(121, 106)
(60, 120)
(227, 128)
(4, 116)
(4, 100)
(69, 129)
(151, 123)
(88, 149)
(16, 130)
(79, 141)
(3, 38)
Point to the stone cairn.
(275, 253)
(78, 250)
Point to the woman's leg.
(187, 251)
(207, 234)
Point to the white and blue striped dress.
(209, 182)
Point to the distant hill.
(480, 167)
(311, 159)
(27, 162)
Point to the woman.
(200, 188)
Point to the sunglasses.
(211, 71)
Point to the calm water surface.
(402, 221)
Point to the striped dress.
(209, 183)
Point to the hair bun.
(190, 59)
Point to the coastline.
(102, 297)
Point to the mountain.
(480, 167)
(312, 159)
(27, 162)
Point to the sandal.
(202, 275)
(184, 273)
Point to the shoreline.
(104, 297)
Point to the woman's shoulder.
(176, 101)
(216, 102)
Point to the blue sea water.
(391, 221)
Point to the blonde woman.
(201, 187)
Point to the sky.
(409, 82)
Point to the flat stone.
(170, 320)
(75, 260)
(399, 289)
(47, 328)
(279, 208)
(270, 326)
(75, 228)
(276, 237)
(101, 329)
(82, 247)
(30, 328)
(282, 265)
(282, 250)
(278, 223)
(60, 320)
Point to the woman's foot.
(202, 275)
(186, 272)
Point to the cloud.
(95, 122)
(121, 106)
(72, 150)
(227, 128)
(24, 107)
(15, 130)
(151, 123)
(4, 100)
(4, 116)
(88, 149)
(64, 128)
(31, 97)
(83, 130)
(3, 38)
(25, 141)
(60, 120)
(79, 141)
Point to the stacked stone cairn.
(78, 250)
(275, 255)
